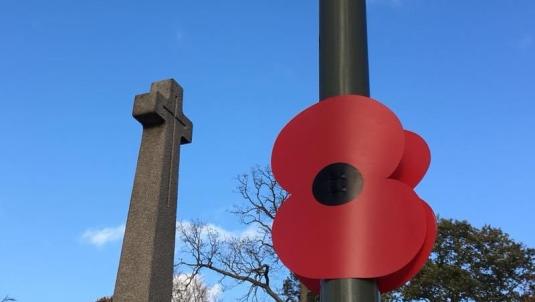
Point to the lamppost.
(352, 225)
(343, 70)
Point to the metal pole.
(343, 65)
(349, 290)
(343, 49)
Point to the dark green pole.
(349, 290)
(343, 48)
(343, 65)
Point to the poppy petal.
(374, 235)
(397, 279)
(415, 161)
(351, 129)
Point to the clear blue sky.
(461, 73)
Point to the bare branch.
(242, 259)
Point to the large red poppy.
(384, 230)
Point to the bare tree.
(192, 288)
(243, 258)
(189, 289)
(8, 299)
(186, 288)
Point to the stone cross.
(146, 266)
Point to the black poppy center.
(337, 184)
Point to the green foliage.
(471, 264)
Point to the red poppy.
(330, 228)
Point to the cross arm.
(163, 104)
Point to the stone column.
(147, 257)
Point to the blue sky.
(461, 73)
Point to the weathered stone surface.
(146, 266)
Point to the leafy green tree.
(471, 264)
